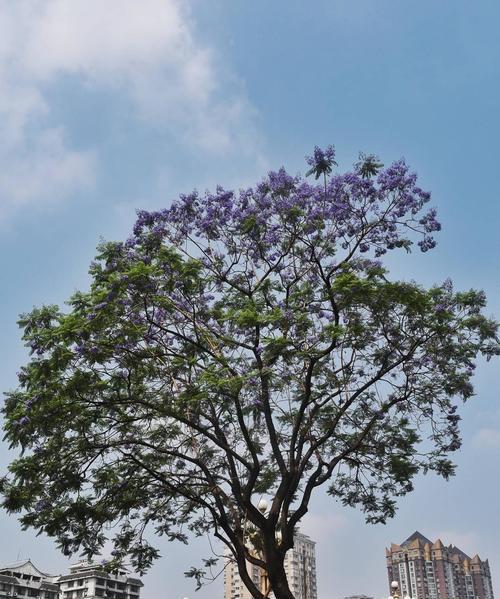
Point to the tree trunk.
(247, 580)
(277, 575)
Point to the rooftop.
(416, 536)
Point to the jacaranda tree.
(239, 346)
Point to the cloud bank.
(147, 51)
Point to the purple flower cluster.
(279, 182)
(321, 161)
(238, 237)
(256, 223)
(42, 505)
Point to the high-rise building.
(431, 570)
(23, 580)
(300, 567)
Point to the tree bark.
(276, 572)
(247, 580)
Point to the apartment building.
(431, 570)
(23, 580)
(85, 580)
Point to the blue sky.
(106, 107)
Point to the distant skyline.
(106, 107)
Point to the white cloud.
(146, 50)
(48, 171)
(487, 438)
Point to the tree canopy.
(242, 345)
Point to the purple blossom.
(447, 285)
(80, 349)
(255, 225)
(321, 161)
(41, 505)
(427, 243)
(127, 346)
(137, 319)
(280, 181)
